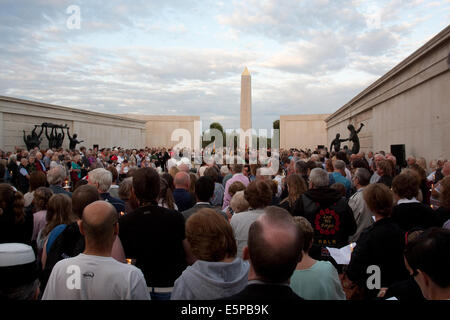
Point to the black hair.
(360, 163)
(341, 155)
(204, 188)
(430, 253)
(146, 184)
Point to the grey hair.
(56, 175)
(339, 165)
(125, 188)
(319, 178)
(101, 176)
(363, 176)
(238, 202)
(224, 170)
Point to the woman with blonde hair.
(296, 187)
(422, 163)
(173, 171)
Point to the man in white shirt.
(94, 274)
(362, 214)
(375, 177)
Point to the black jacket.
(414, 215)
(329, 214)
(386, 180)
(10, 231)
(266, 291)
(382, 245)
(443, 214)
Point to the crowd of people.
(147, 224)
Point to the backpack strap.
(53, 235)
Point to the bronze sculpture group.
(336, 143)
(55, 139)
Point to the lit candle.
(122, 213)
(128, 261)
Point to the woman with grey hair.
(55, 178)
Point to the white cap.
(185, 161)
(171, 162)
(14, 254)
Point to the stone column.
(246, 100)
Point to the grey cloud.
(324, 54)
(290, 20)
(375, 42)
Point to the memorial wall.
(159, 128)
(303, 131)
(103, 129)
(409, 105)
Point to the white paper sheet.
(342, 255)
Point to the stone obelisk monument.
(246, 100)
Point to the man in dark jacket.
(204, 190)
(183, 199)
(274, 248)
(326, 210)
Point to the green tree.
(276, 124)
(217, 126)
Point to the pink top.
(38, 223)
(237, 177)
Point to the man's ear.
(245, 253)
(80, 226)
(116, 229)
(425, 278)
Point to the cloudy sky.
(183, 57)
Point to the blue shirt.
(319, 282)
(23, 171)
(339, 178)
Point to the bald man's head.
(99, 224)
(275, 245)
(182, 180)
